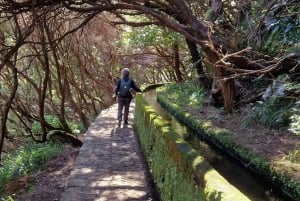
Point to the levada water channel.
(253, 186)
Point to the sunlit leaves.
(186, 94)
(149, 36)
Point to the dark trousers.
(123, 103)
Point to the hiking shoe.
(125, 122)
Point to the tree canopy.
(60, 58)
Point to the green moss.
(179, 171)
(221, 137)
(171, 183)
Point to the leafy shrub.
(54, 122)
(50, 119)
(25, 160)
(36, 128)
(186, 93)
(279, 26)
(275, 112)
(77, 128)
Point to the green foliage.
(291, 187)
(293, 156)
(272, 42)
(275, 112)
(50, 119)
(55, 123)
(282, 27)
(25, 160)
(149, 36)
(295, 119)
(76, 128)
(36, 128)
(185, 94)
(9, 198)
(274, 30)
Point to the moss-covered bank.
(179, 172)
(221, 138)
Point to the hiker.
(123, 94)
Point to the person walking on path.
(123, 94)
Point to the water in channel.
(235, 173)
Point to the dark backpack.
(124, 90)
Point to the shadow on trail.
(109, 165)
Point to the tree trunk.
(61, 114)
(196, 60)
(177, 63)
(228, 90)
(7, 106)
(64, 137)
(227, 87)
(43, 90)
(74, 106)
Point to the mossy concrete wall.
(221, 138)
(179, 172)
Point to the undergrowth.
(188, 93)
(272, 113)
(275, 112)
(26, 160)
(55, 123)
(279, 110)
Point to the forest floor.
(279, 147)
(274, 145)
(48, 183)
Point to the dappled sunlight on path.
(109, 166)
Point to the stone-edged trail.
(110, 165)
